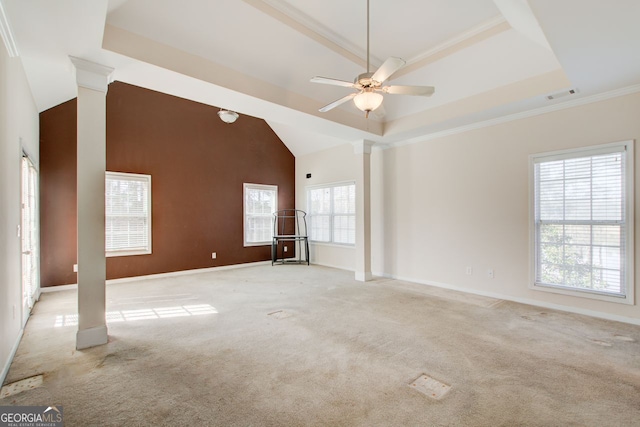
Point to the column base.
(364, 277)
(91, 337)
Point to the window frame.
(331, 215)
(628, 287)
(250, 186)
(130, 252)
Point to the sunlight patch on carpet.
(430, 387)
(143, 314)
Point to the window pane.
(259, 228)
(344, 200)
(579, 205)
(607, 235)
(320, 201)
(551, 200)
(332, 214)
(344, 229)
(260, 203)
(127, 212)
(320, 229)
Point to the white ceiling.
(486, 58)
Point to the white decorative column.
(93, 81)
(362, 150)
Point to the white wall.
(462, 200)
(336, 164)
(19, 131)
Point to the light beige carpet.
(295, 345)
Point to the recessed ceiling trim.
(517, 116)
(528, 88)
(138, 47)
(7, 33)
(475, 35)
(312, 29)
(521, 18)
(497, 21)
(282, 11)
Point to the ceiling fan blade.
(334, 104)
(390, 66)
(334, 82)
(409, 90)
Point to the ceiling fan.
(369, 85)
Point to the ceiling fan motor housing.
(365, 80)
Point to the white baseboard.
(12, 353)
(74, 286)
(58, 288)
(91, 337)
(337, 267)
(543, 304)
(527, 301)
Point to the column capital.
(362, 146)
(91, 75)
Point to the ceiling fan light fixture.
(368, 85)
(368, 100)
(228, 116)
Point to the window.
(582, 201)
(128, 214)
(332, 213)
(260, 203)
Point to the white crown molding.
(7, 33)
(459, 39)
(92, 75)
(517, 116)
(312, 26)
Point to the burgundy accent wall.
(197, 163)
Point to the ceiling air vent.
(562, 94)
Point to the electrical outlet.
(469, 271)
(286, 249)
(490, 273)
(213, 255)
(75, 268)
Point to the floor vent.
(430, 387)
(20, 386)
(280, 314)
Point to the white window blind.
(332, 213)
(128, 214)
(260, 203)
(581, 213)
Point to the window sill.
(127, 253)
(583, 293)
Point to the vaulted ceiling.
(486, 58)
